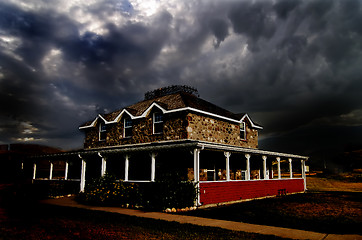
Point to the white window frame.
(127, 127)
(243, 131)
(156, 122)
(101, 130)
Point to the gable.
(177, 102)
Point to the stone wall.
(177, 126)
(174, 128)
(208, 129)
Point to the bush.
(110, 192)
(168, 192)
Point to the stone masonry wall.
(174, 128)
(177, 126)
(208, 129)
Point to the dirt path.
(326, 184)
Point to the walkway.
(235, 226)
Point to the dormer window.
(242, 131)
(157, 123)
(102, 132)
(127, 128)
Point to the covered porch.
(224, 173)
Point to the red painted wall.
(218, 192)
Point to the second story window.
(102, 132)
(157, 122)
(127, 128)
(242, 131)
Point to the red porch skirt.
(219, 192)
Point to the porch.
(225, 173)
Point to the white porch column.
(279, 174)
(247, 166)
(66, 170)
(196, 154)
(290, 168)
(196, 165)
(126, 167)
(34, 171)
(227, 155)
(264, 166)
(303, 174)
(82, 176)
(153, 166)
(103, 165)
(51, 171)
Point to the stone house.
(172, 131)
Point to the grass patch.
(20, 219)
(328, 212)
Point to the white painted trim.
(247, 150)
(252, 123)
(126, 167)
(66, 170)
(164, 111)
(279, 172)
(51, 170)
(153, 166)
(34, 171)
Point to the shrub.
(169, 192)
(110, 192)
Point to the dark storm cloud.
(292, 65)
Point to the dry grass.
(330, 206)
(329, 184)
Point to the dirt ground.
(330, 184)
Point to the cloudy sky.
(294, 66)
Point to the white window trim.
(124, 127)
(244, 130)
(154, 122)
(101, 131)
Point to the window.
(102, 132)
(242, 131)
(127, 129)
(157, 123)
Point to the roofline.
(164, 111)
(251, 121)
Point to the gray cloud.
(292, 65)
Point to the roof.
(166, 145)
(180, 101)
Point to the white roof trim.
(204, 144)
(252, 123)
(164, 111)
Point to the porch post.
(51, 170)
(290, 168)
(82, 176)
(303, 174)
(153, 166)
(264, 166)
(247, 166)
(66, 170)
(227, 155)
(126, 167)
(279, 174)
(34, 171)
(197, 173)
(103, 165)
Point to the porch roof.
(169, 145)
